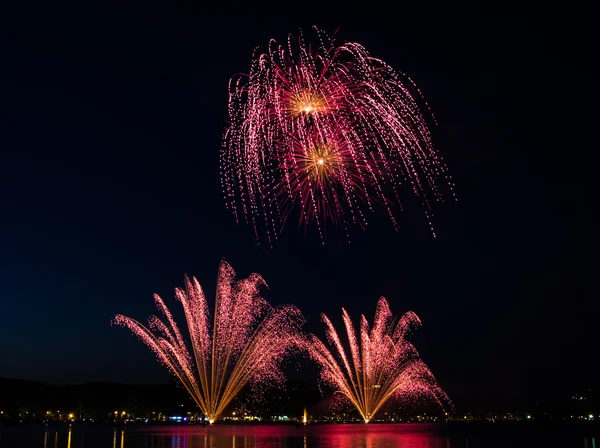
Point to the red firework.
(325, 173)
(299, 103)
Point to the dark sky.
(110, 126)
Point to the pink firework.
(249, 339)
(299, 102)
(381, 365)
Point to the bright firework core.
(307, 102)
(320, 161)
(249, 340)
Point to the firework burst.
(297, 98)
(325, 174)
(382, 364)
(249, 339)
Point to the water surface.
(309, 436)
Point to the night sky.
(110, 125)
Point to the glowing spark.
(382, 363)
(298, 96)
(249, 339)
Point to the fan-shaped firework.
(299, 102)
(249, 339)
(382, 363)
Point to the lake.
(405, 435)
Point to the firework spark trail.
(383, 366)
(293, 104)
(249, 339)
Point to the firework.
(249, 339)
(320, 173)
(328, 130)
(382, 363)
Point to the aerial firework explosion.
(249, 339)
(326, 130)
(382, 364)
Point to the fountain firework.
(249, 339)
(382, 363)
(328, 129)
